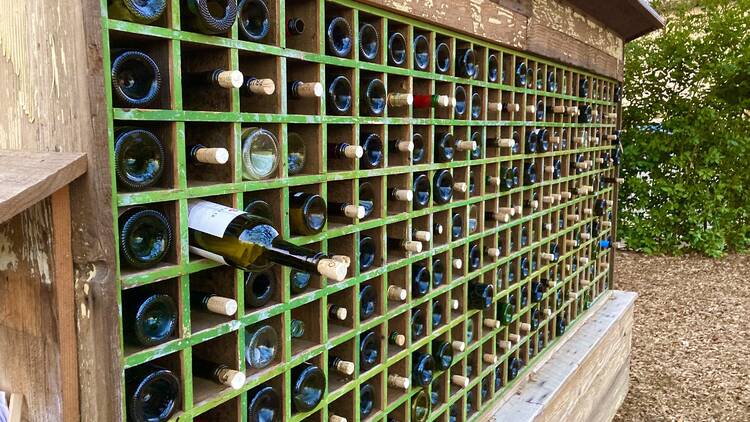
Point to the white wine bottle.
(249, 242)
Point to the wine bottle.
(442, 354)
(295, 26)
(260, 287)
(252, 86)
(368, 302)
(475, 257)
(585, 114)
(261, 346)
(216, 78)
(251, 243)
(430, 101)
(437, 313)
(345, 210)
(421, 235)
(421, 191)
(201, 154)
(423, 365)
(521, 74)
(438, 272)
(299, 89)
(444, 143)
(143, 11)
(505, 311)
(260, 153)
(617, 96)
(480, 295)
(307, 213)
(145, 237)
(443, 181)
(404, 245)
(151, 393)
(420, 406)
(372, 147)
(466, 63)
(532, 141)
(540, 110)
(438, 228)
(369, 350)
(213, 303)
(583, 87)
(339, 98)
(218, 372)
(254, 20)
(534, 319)
(374, 98)
(366, 198)
(442, 58)
(367, 251)
(260, 208)
(459, 100)
(264, 404)
(398, 194)
(457, 224)
(366, 400)
(493, 68)
(418, 324)
(476, 153)
(296, 328)
(205, 18)
(418, 153)
(338, 37)
(560, 325)
(476, 106)
(139, 158)
(337, 313)
(136, 79)
(421, 47)
(308, 386)
(369, 42)
(343, 150)
(420, 280)
(148, 318)
(396, 49)
(396, 339)
(529, 170)
(343, 367)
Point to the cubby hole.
(172, 363)
(342, 299)
(337, 135)
(200, 96)
(152, 300)
(213, 297)
(304, 150)
(398, 234)
(260, 66)
(166, 134)
(422, 87)
(160, 51)
(398, 85)
(398, 54)
(370, 299)
(460, 133)
(370, 348)
(476, 181)
(472, 402)
(399, 278)
(446, 89)
(458, 303)
(305, 72)
(332, 11)
(475, 135)
(339, 100)
(474, 220)
(398, 184)
(462, 104)
(421, 279)
(228, 411)
(402, 369)
(164, 251)
(308, 316)
(460, 181)
(420, 322)
(371, 38)
(209, 135)
(307, 11)
(337, 375)
(268, 334)
(441, 229)
(495, 69)
(370, 398)
(370, 195)
(263, 145)
(311, 415)
(340, 200)
(314, 189)
(221, 350)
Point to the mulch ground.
(691, 344)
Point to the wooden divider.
(558, 209)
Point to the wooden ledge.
(629, 18)
(28, 177)
(586, 379)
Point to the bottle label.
(209, 255)
(210, 218)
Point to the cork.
(404, 195)
(585, 283)
(548, 227)
(222, 305)
(534, 204)
(354, 211)
(494, 181)
(551, 283)
(548, 257)
(612, 116)
(341, 314)
(603, 266)
(583, 165)
(495, 106)
(594, 112)
(333, 269)
(354, 151)
(413, 246)
(212, 155)
(579, 140)
(457, 263)
(460, 380)
(548, 199)
(261, 86)
(512, 108)
(619, 180)
(501, 217)
(549, 169)
(573, 218)
(489, 358)
(452, 101)
(343, 259)
(504, 344)
(400, 340)
(466, 145)
(600, 160)
(531, 109)
(572, 111)
(491, 323)
(405, 146)
(309, 89)
(548, 312)
(506, 143)
(554, 139)
(398, 382)
(557, 196)
(345, 367)
(567, 195)
(444, 100)
(396, 293)
(423, 236)
(525, 327)
(582, 191)
(460, 187)
(571, 243)
(230, 79)
(519, 210)
(458, 346)
(455, 304)
(507, 210)
(583, 260)
(493, 252)
(606, 224)
(400, 99)
(336, 418)
(588, 211)
(231, 378)
(558, 109)
(585, 236)
(514, 337)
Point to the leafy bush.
(687, 149)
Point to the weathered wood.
(587, 378)
(28, 177)
(15, 408)
(629, 18)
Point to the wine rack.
(484, 237)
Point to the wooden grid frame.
(178, 116)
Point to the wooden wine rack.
(184, 115)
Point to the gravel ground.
(691, 345)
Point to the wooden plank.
(586, 379)
(629, 18)
(15, 408)
(28, 177)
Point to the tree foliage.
(687, 148)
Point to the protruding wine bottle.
(442, 58)
(307, 213)
(421, 191)
(343, 151)
(430, 101)
(148, 318)
(201, 154)
(421, 47)
(261, 346)
(216, 78)
(480, 295)
(372, 148)
(218, 372)
(420, 280)
(338, 37)
(442, 353)
(339, 96)
(260, 153)
(345, 210)
(152, 393)
(423, 365)
(369, 42)
(341, 366)
(466, 63)
(213, 18)
(337, 313)
(136, 79)
(308, 386)
(264, 404)
(404, 245)
(252, 86)
(299, 89)
(139, 158)
(138, 11)
(396, 49)
(249, 242)
(145, 237)
(369, 350)
(213, 303)
(373, 98)
(254, 20)
(396, 339)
